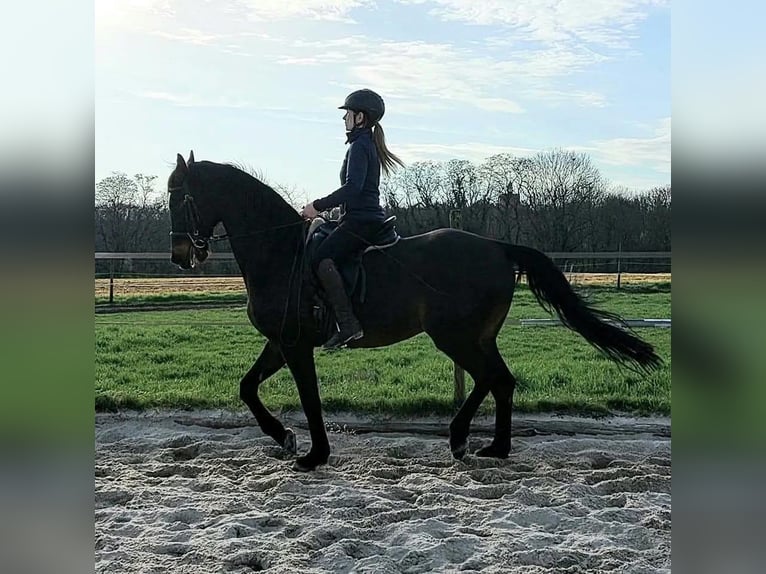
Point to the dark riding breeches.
(348, 239)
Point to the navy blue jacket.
(359, 193)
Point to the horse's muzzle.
(184, 253)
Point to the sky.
(258, 82)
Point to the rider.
(359, 198)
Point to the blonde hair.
(388, 159)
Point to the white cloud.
(423, 76)
(604, 22)
(571, 97)
(473, 151)
(498, 105)
(147, 14)
(319, 59)
(200, 101)
(651, 152)
(270, 10)
(189, 36)
(130, 13)
(419, 75)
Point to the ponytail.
(388, 159)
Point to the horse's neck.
(265, 237)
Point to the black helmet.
(365, 101)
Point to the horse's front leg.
(268, 363)
(300, 360)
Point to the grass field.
(195, 358)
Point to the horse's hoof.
(490, 451)
(305, 464)
(299, 467)
(458, 451)
(290, 444)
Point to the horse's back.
(449, 260)
(446, 276)
(446, 247)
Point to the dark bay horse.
(454, 285)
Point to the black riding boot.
(350, 328)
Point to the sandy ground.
(150, 286)
(174, 495)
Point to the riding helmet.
(365, 101)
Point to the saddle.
(352, 270)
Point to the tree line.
(554, 201)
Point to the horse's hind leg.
(460, 426)
(502, 384)
(471, 358)
(489, 372)
(268, 363)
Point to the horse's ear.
(180, 163)
(191, 157)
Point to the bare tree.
(413, 193)
(658, 218)
(564, 189)
(466, 189)
(508, 179)
(127, 211)
(290, 194)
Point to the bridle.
(193, 223)
(201, 242)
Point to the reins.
(193, 223)
(201, 242)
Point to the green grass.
(195, 359)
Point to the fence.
(621, 259)
(223, 264)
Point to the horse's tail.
(600, 328)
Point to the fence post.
(619, 266)
(111, 281)
(455, 222)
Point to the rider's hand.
(308, 211)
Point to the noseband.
(193, 223)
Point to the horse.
(455, 286)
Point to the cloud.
(418, 75)
(423, 76)
(610, 23)
(651, 152)
(317, 60)
(200, 101)
(143, 15)
(189, 36)
(473, 151)
(270, 10)
(578, 97)
(498, 105)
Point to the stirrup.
(336, 341)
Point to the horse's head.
(192, 218)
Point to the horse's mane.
(237, 171)
(249, 170)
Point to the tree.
(130, 216)
(507, 179)
(563, 189)
(465, 189)
(413, 194)
(658, 219)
